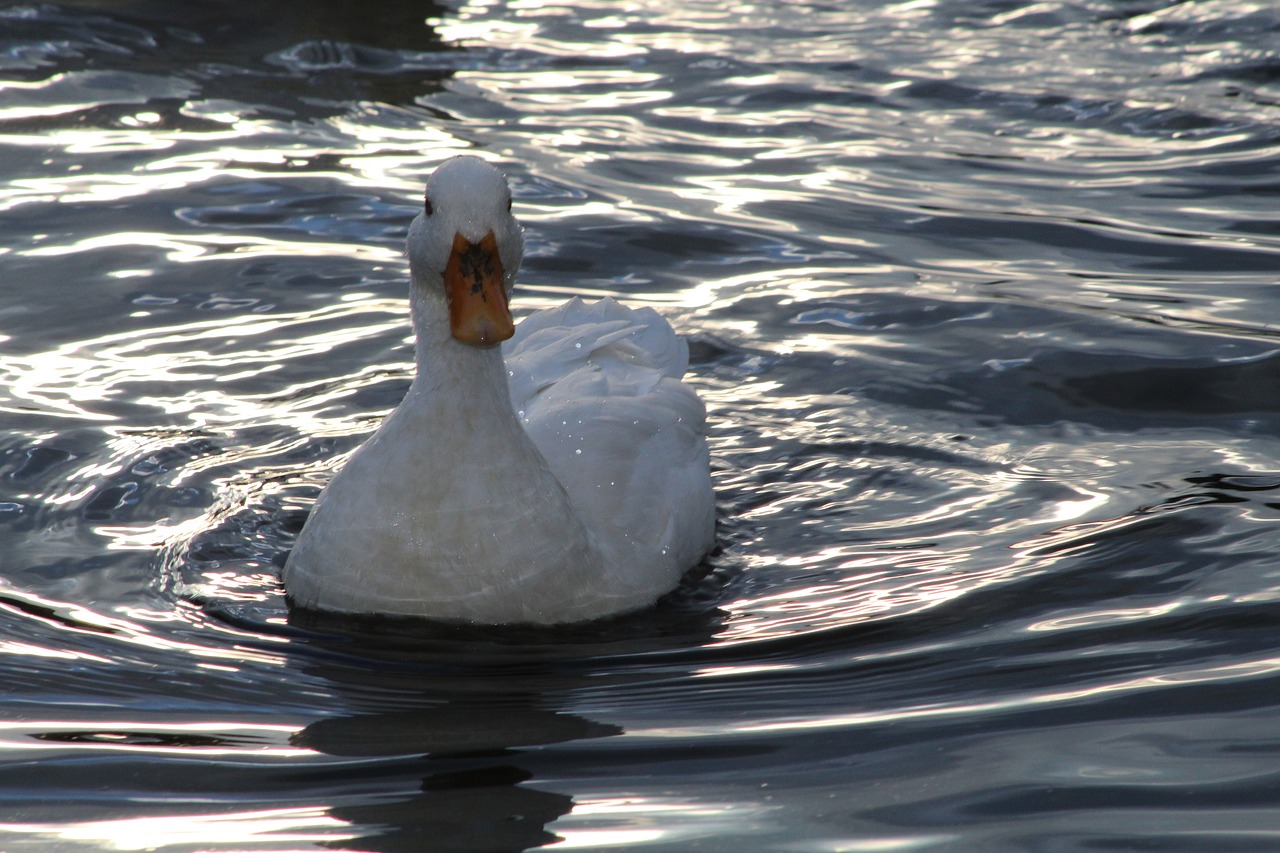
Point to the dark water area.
(981, 297)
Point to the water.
(982, 302)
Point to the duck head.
(465, 248)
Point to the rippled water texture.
(982, 301)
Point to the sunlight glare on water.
(271, 826)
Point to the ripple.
(981, 301)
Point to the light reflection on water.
(270, 826)
(981, 302)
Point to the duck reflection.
(472, 796)
(459, 709)
(472, 810)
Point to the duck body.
(560, 477)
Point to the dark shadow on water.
(468, 710)
(464, 811)
(242, 27)
(472, 795)
(293, 60)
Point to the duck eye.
(427, 207)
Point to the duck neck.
(451, 375)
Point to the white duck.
(568, 482)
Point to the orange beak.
(478, 310)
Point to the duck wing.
(597, 388)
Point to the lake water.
(981, 298)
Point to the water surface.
(981, 298)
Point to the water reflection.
(233, 829)
(464, 720)
(314, 59)
(458, 809)
(982, 302)
(472, 790)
